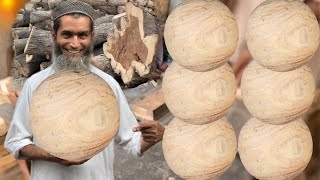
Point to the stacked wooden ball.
(277, 89)
(199, 87)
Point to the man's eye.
(66, 35)
(83, 35)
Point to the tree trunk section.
(132, 47)
(20, 33)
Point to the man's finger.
(142, 126)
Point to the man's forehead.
(75, 24)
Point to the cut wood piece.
(22, 20)
(17, 83)
(19, 45)
(132, 47)
(101, 33)
(7, 163)
(161, 9)
(44, 65)
(20, 33)
(39, 39)
(39, 16)
(3, 151)
(21, 68)
(151, 106)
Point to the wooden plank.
(151, 106)
(7, 163)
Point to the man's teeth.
(73, 52)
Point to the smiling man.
(73, 43)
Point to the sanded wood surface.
(201, 35)
(275, 151)
(74, 115)
(199, 97)
(282, 35)
(277, 97)
(199, 151)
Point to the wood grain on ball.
(277, 97)
(199, 97)
(74, 115)
(201, 35)
(275, 151)
(199, 151)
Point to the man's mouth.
(73, 52)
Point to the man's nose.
(75, 42)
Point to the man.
(73, 35)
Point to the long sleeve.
(19, 133)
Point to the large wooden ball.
(277, 97)
(74, 115)
(199, 151)
(275, 151)
(199, 97)
(201, 35)
(282, 34)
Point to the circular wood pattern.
(282, 35)
(275, 151)
(199, 151)
(74, 115)
(277, 97)
(199, 97)
(201, 35)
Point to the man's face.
(74, 37)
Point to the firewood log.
(20, 68)
(19, 45)
(39, 39)
(39, 16)
(20, 32)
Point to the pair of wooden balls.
(275, 151)
(199, 151)
(74, 115)
(201, 35)
(282, 35)
(277, 97)
(199, 97)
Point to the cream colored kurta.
(99, 167)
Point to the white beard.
(76, 63)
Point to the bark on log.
(20, 33)
(44, 65)
(22, 20)
(44, 25)
(39, 16)
(132, 47)
(41, 3)
(112, 10)
(101, 33)
(36, 58)
(19, 45)
(39, 39)
(104, 19)
(20, 68)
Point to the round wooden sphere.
(199, 97)
(277, 97)
(201, 35)
(199, 151)
(74, 115)
(3, 127)
(282, 35)
(275, 151)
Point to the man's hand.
(152, 131)
(32, 152)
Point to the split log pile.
(133, 27)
